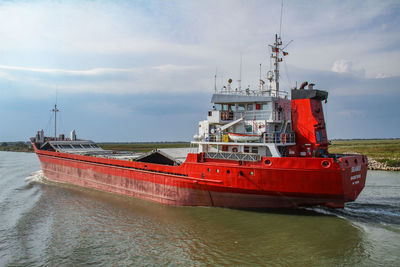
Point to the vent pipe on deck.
(73, 135)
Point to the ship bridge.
(247, 122)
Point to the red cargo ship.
(257, 149)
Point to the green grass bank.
(385, 151)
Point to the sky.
(135, 71)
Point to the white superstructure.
(252, 122)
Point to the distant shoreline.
(383, 154)
(16, 146)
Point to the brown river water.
(48, 224)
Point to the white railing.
(253, 115)
(269, 138)
(233, 156)
(280, 138)
(281, 94)
(217, 116)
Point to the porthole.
(208, 169)
(325, 164)
(251, 173)
(268, 162)
(228, 171)
(217, 170)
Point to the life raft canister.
(283, 138)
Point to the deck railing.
(251, 92)
(280, 138)
(224, 116)
(274, 138)
(233, 156)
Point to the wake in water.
(36, 177)
(379, 203)
(366, 212)
(384, 209)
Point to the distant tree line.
(16, 146)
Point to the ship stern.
(353, 169)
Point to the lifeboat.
(239, 137)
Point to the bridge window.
(249, 106)
(249, 128)
(241, 108)
(318, 135)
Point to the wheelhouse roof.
(237, 98)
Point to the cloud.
(344, 84)
(342, 66)
(351, 113)
(170, 48)
(94, 38)
(109, 109)
(97, 71)
(170, 77)
(346, 66)
(383, 76)
(5, 76)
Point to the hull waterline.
(266, 188)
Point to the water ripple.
(51, 224)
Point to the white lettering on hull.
(356, 168)
(355, 178)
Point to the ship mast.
(276, 49)
(215, 80)
(240, 74)
(275, 55)
(55, 110)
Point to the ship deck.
(167, 156)
(170, 156)
(177, 155)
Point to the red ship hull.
(271, 183)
